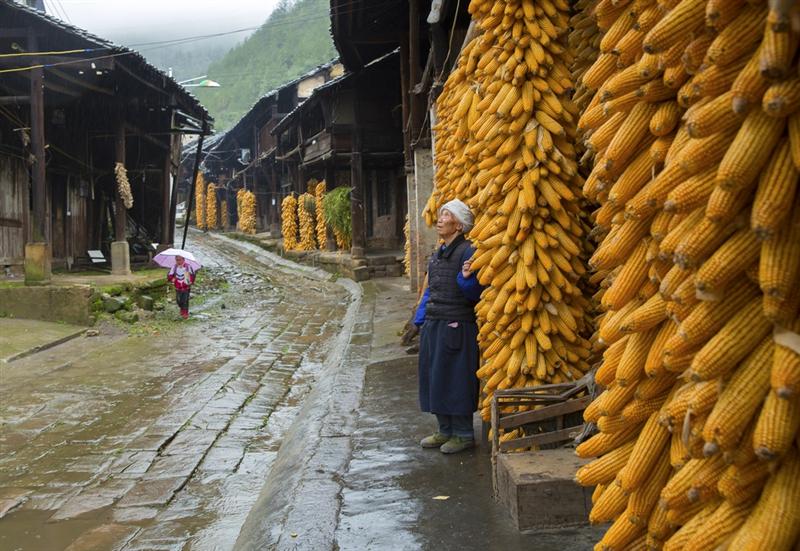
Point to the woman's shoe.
(435, 440)
(457, 444)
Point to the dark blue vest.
(446, 301)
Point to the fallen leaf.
(441, 498)
(294, 534)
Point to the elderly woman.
(448, 354)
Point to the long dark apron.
(448, 360)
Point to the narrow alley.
(159, 441)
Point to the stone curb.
(298, 507)
(42, 347)
(274, 259)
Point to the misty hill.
(294, 39)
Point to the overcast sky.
(170, 18)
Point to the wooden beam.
(14, 100)
(79, 82)
(142, 81)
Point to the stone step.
(539, 491)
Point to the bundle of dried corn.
(289, 222)
(322, 228)
(695, 132)
(224, 215)
(123, 185)
(247, 216)
(407, 247)
(239, 196)
(505, 145)
(305, 214)
(211, 207)
(200, 201)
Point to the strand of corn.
(504, 145)
(200, 201)
(224, 215)
(123, 185)
(322, 229)
(239, 196)
(407, 247)
(694, 138)
(289, 222)
(305, 214)
(247, 217)
(211, 207)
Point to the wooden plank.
(10, 223)
(547, 412)
(541, 439)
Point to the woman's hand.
(466, 269)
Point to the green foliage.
(336, 206)
(294, 40)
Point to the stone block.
(113, 304)
(47, 303)
(394, 270)
(127, 317)
(539, 491)
(38, 268)
(120, 258)
(361, 273)
(145, 302)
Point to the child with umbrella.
(183, 268)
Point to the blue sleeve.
(469, 286)
(419, 317)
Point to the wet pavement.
(351, 475)
(161, 439)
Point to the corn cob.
(307, 227)
(750, 150)
(785, 376)
(775, 521)
(777, 426)
(779, 267)
(775, 194)
(322, 227)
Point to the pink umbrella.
(167, 258)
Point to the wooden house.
(429, 35)
(349, 133)
(245, 156)
(67, 118)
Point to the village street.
(162, 440)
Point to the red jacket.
(184, 281)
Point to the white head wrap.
(461, 212)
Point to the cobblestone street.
(130, 441)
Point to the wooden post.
(120, 251)
(38, 268)
(37, 144)
(166, 195)
(175, 169)
(121, 213)
(359, 241)
(417, 107)
(195, 170)
(405, 90)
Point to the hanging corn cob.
(200, 201)
(224, 215)
(239, 196)
(305, 214)
(123, 185)
(695, 168)
(407, 247)
(247, 217)
(211, 207)
(289, 222)
(504, 145)
(322, 229)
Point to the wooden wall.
(13, 210)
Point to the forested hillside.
(294, 39)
